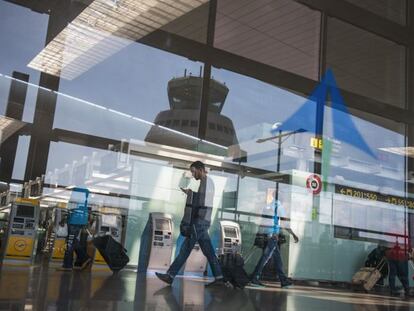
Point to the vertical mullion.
(409, 129)
(205, 92)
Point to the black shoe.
(218, 283)
(286, 284)
(83, 265)
(165, 277)
(395, 293)
(64, 269)
(256, 283)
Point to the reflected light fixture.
(104, 28)
(403, 151)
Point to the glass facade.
(279, 100)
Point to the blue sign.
(78, 206)
(311, 115)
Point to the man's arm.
(185, 190)
(295, 237)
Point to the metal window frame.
(212, 56)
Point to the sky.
(134, 81)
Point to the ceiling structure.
(104, 28)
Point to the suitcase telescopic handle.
(381, 264)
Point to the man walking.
(77, 220)
(397, 258)
(272, 250)
(195, 225)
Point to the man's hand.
(295, 238)
(275, 236)
(186, 191)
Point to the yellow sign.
(59, 248)
(61, 205)
(19, 246)
(374, 196)
(27, 201)
(316, 143)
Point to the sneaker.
(287, 284)
(256, 283)
(64, 269)
(165, 277)
(85, 264)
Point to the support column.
(409, 139)
(205, 92)
(46, 101)
(14, 110)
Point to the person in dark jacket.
(194, 226)
(397, 257)
(272, 250)
(376, 259)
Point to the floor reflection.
(40, 288)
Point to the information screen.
(230, 232)
(162, 224)
(25, 211)
(109, 220)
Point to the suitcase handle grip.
(381, 264)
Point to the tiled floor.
(43, 288)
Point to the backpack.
(233, 271)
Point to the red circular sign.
(314, 183)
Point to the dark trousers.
(73, 245)
(400, 269)
(199, 234)
(271, 250)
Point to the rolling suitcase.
(367, 277)
(233, 271)
(113, 252)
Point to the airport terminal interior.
(303, 105)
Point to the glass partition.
(365, 63)
(118, 112)
(282, 33)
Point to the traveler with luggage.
(271, 247)
(77, 220)
(397, 258)
(194, 226)
(374, 259)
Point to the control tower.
(184, 95)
